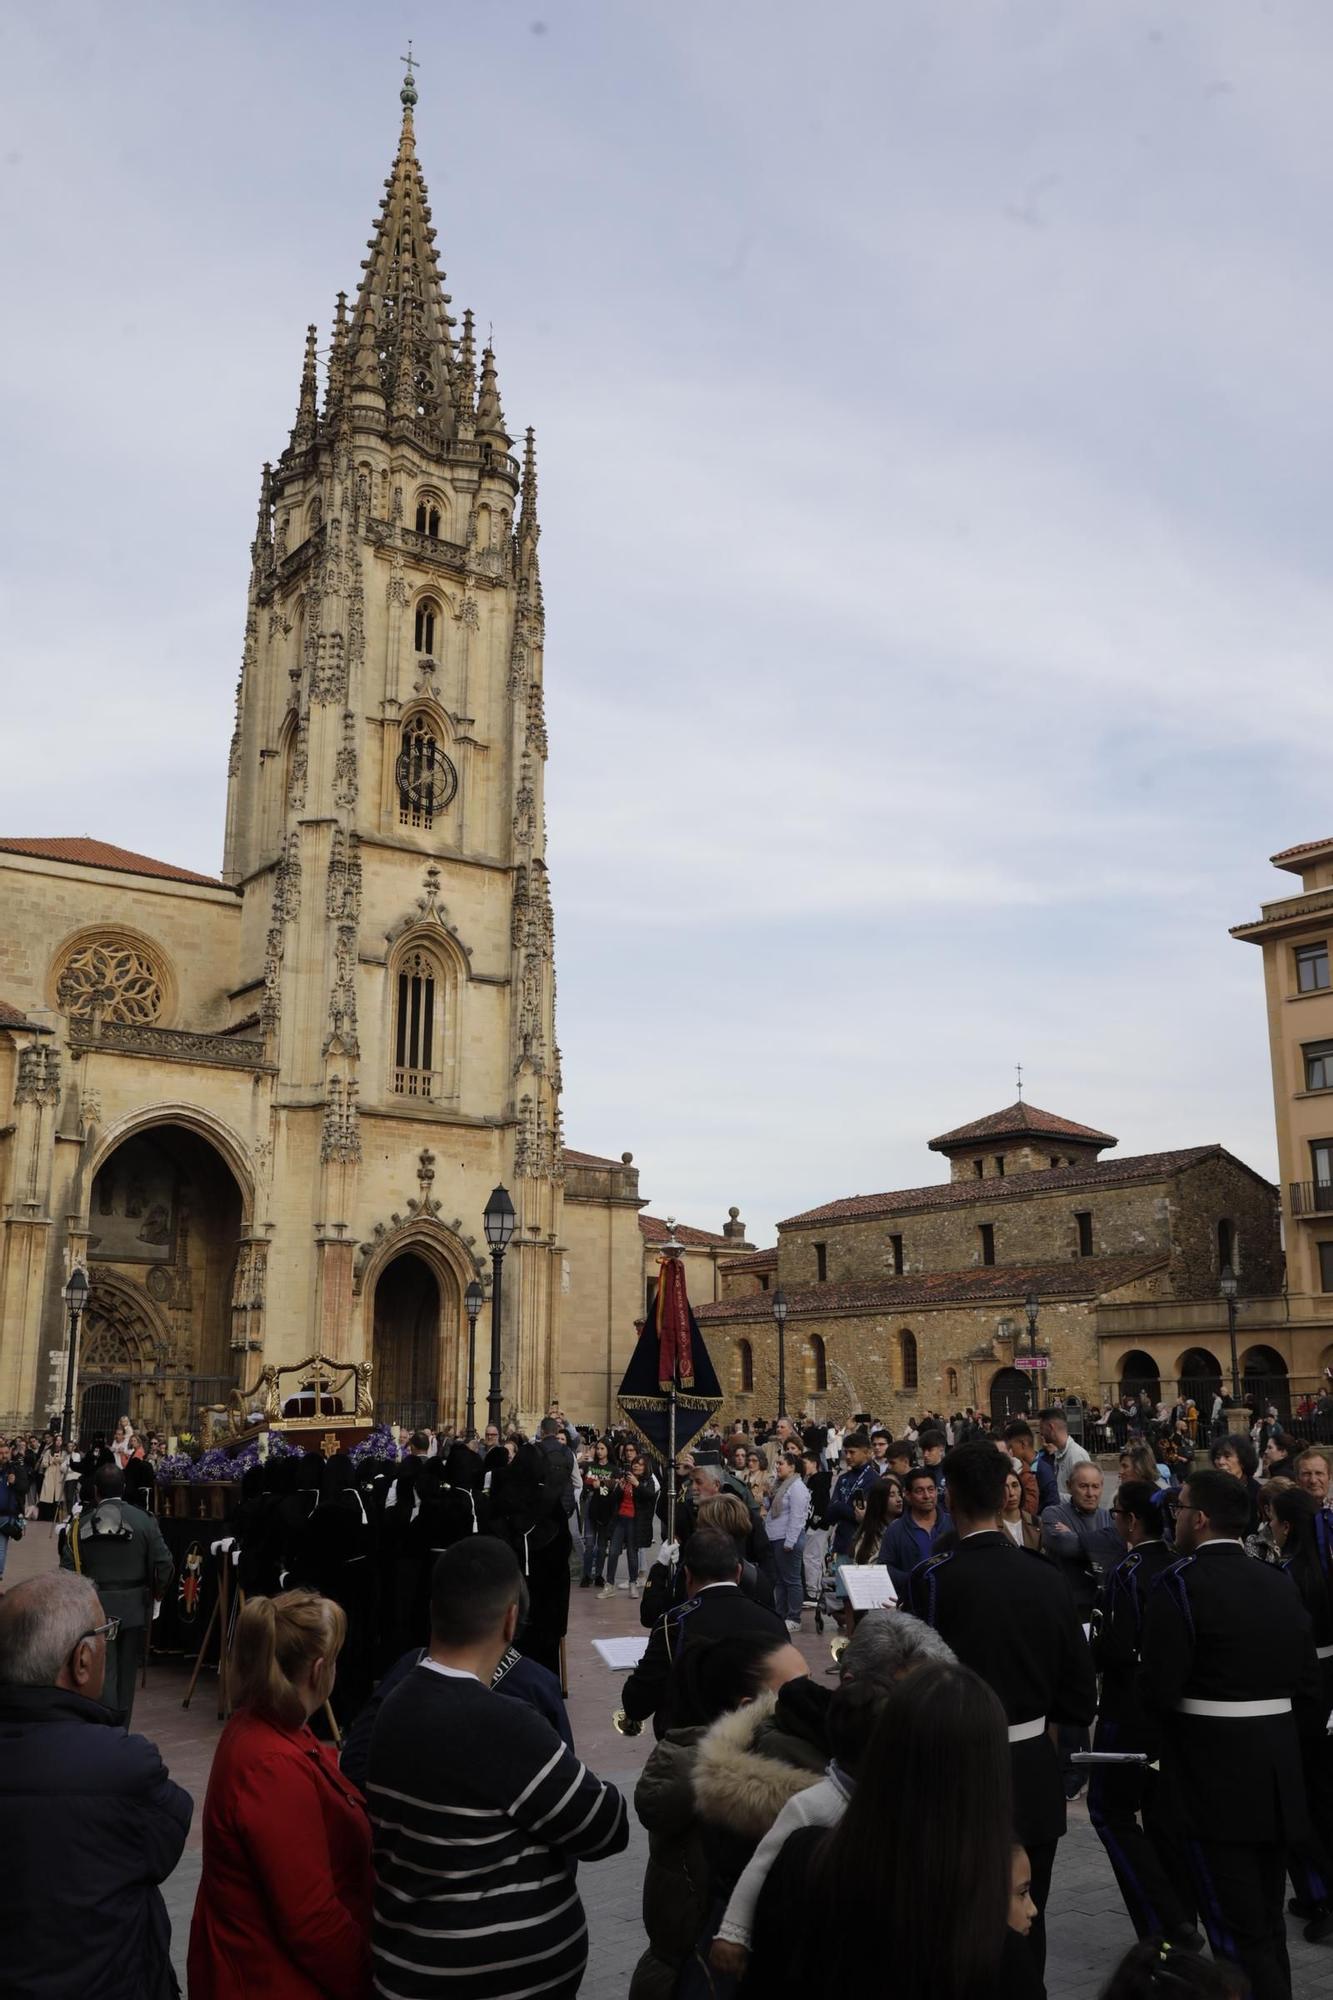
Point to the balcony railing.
(416, 1082)
(1312, 1197)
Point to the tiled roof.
(1304, 847)
(1015, 1120)
(656, 1231)
(1009, 1187)
(758, 1260)
(987, 1284)
(100, 854)
(13, 1017)
(573, 1159)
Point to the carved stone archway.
(125, 1345)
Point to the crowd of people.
(397, 1803)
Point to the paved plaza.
(1087, 1926)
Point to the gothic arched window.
(427, 625)
(907, 1358)
(417, 1028)
(816, 1366)
(427, 779)
(428, 516)
(744, 1368)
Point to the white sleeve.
(819, 1805)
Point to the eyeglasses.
(109, 1631)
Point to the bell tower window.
(428, 519)
(426, 778)
(416, 1038)
(427, 615)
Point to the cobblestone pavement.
(1086, 1926)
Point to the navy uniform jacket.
(1222, 1627)
(1119, 1634)
(716, 1612)
(1009, 1615)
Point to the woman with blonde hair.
(284, 1900)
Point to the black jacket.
(102, 1826)
(1220, 1627)
(714, 1613)
(1009, 1615)
(1118, 1637)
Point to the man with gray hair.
(885, 1647)
(81, 1909)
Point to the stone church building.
(265, 1111)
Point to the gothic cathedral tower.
(385, 829)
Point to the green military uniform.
(120, 1549)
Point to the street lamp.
(76, 1298)
(780, 1319)
(472, 1299)
(1228, 1288)
(1032, 1306)
(499, 1221)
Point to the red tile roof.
(13, 1017)
(988, 1284)
(656, 1231)
(1009, 1187)
(1304, 847)
(87, 853)
(1015, 1121)
(573, 1159)
(758, 1260)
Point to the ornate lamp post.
(1228, 1287)
(1032, 1307)
(472, 1299)
(76, 1298)
(780, 1321)
(499, 1222)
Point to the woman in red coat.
(283, 1908)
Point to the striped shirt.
(480, 1814)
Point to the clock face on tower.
(427, 780)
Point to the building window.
(817, 1368)
(999, 1163)
(951, 1381)
(416, 1040)
(896, 1246)
(979, 1169)
(427, 780)
(1083, 1219)
(907, 1358)
(428, 612)
(1312, 967)
(428, 518)
(1326, 1267)
(106, 977)
(986, 1232)
(1225, 1246)
(744, 1367)
(821, 1263)
(763, 1281)
(1321, 1170)
(1318, 1065)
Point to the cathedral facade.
(266, 1111)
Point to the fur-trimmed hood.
(735, 1785)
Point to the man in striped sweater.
(480, 1812)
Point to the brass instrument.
(625, 1725)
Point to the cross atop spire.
(408, 93)
(1019, 1068)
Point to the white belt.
(1234, 1710)
(1323, 1652)
(1023, 1732)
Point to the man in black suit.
(713, 1608)
(1150, 1866)
(1009, 1615)
(1226, 1648)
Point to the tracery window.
(428, 517)
(427, 624)
(111, 979)
(417, 1026)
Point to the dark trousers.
(123, 1657)
(1240, 1889)
(1041, 1861)
(1151, 1870)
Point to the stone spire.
(466, 385)
(528, 528)
(337, 382)
(401, 333)
(490, 417)
(303, 430)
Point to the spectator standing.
(859, 1476)
(624, 1532)
(1062, 1454)
(910, 1539)
(469, 1788)
(1080, 1535)
(283, 1906)
(934, 1444)
(818, 1481)
(95, 1824)
(1040, 1487)
(121, 1550)
(597, 1477)
(11, 1506)
(785, 1526)
(714, 1607)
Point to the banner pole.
(671, 1464)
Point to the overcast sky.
(933, 410)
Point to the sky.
(933, 416)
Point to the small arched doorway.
(1200, 1378)
(1010, 1395)
(1139, 1372)
(407, 1344)
(1264, 1377)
